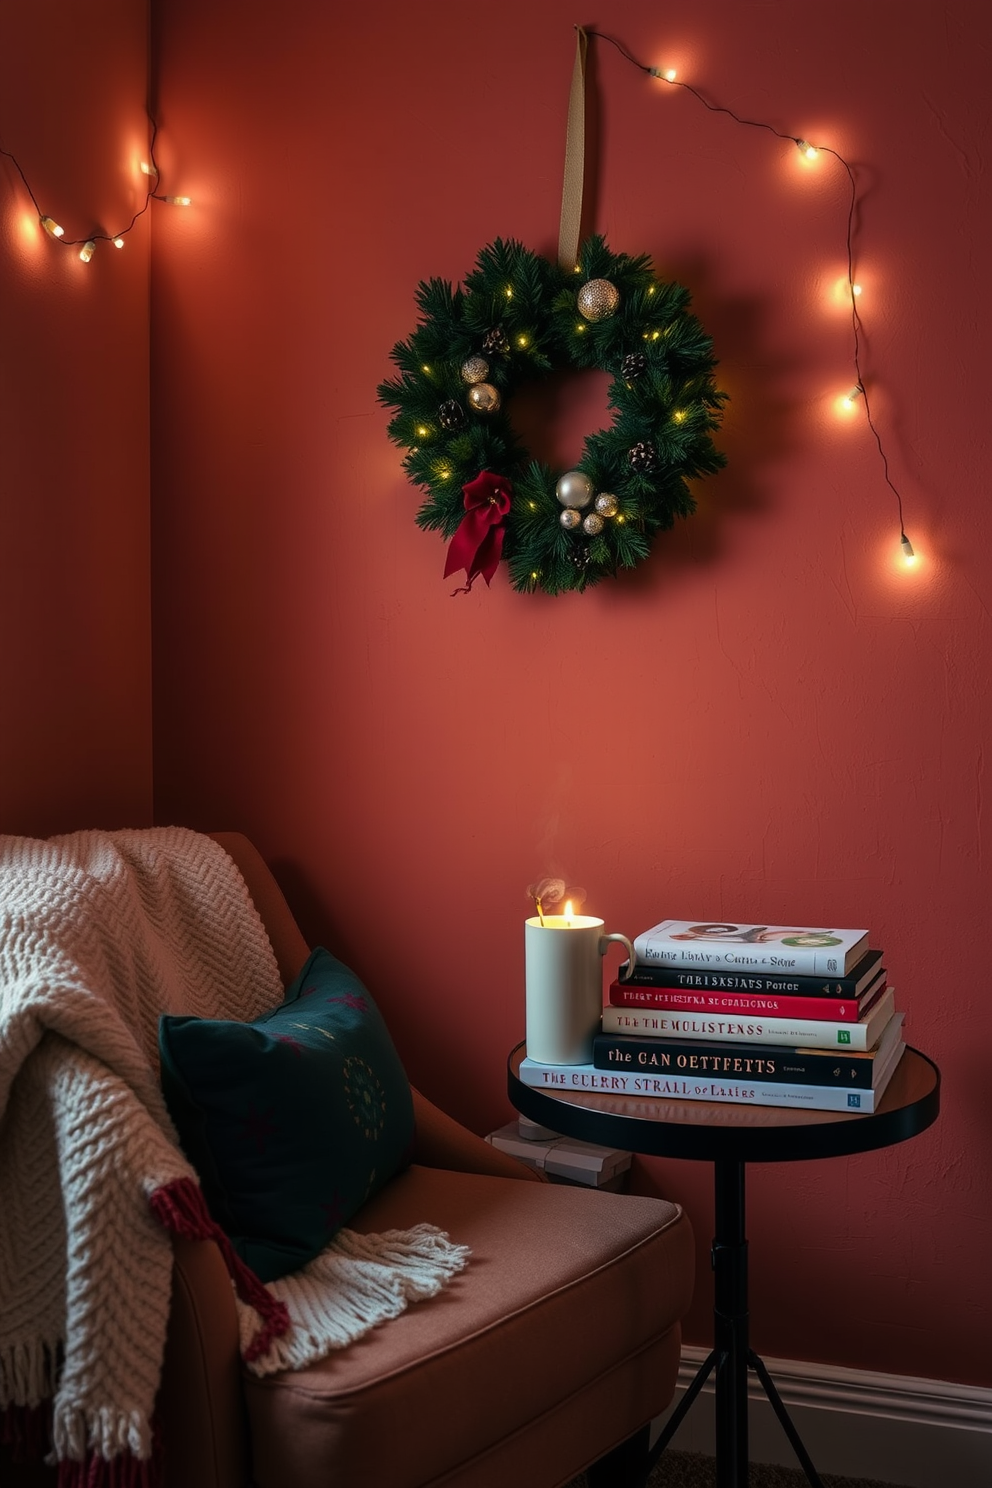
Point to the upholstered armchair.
(548, 1354)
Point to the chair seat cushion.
(566, 1287)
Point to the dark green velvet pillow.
(291, 1121)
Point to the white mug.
(564, 970)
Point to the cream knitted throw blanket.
(99, 934)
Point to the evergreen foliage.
(664, 400)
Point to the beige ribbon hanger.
(575, 159)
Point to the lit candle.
(564, 980)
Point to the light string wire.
(860, 390)
(91, 239)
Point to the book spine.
(756, 960)
(682, 979)
(751, 1004)
(580, 1077)
(769, 1063)
(793, 1032)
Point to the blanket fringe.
(180, 1207)
(28, 1373)
(358, 1282)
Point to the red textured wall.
(770, 720)
(75, 622)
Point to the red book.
(769, 1004)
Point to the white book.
(779, 949)
(579, 1077)
(794, 1033)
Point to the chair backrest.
(287, 939)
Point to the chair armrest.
(200, 1406)
(442, 1142)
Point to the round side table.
(730, 1136)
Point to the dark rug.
(691, 1470)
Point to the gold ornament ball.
(569, 518)
(475, 369)
(592, 524)
(598, 299)
(574, 489)
(607, 504)
(483, 397)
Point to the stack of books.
(763, 1015)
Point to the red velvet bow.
(477, 545)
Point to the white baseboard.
(917, 1433)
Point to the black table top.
(717, 1130)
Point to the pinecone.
(643, 458)
(633, 366)
(579, 555)
(496, 342)
(451, 415)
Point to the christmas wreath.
(521, 317)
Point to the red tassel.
(181, 1208)
(26, 1430)
(124, 1471)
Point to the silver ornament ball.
(598, 299)
(475, 369)
(592, 524)
(483, 397)
(569, 518)
(574, 489)
(607, 504)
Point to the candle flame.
(568, 911)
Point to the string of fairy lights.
(669, 76)
(87, 246)
(811, 152)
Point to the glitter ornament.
(598, 299)
(606, 504)
(475, 369)
(451, 415)
(483, 397)
(574, 488)
(593, 524)
(569, 518)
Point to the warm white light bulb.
(810, 151)
(179, 201)
(87, 251)
(855, 289)
(907, 548)
(118, 242)
(147, 169)
(668, 73)
(852, 397)
(52, 227)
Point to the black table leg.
(732, 1355)
(730, 1325)
(778, 1405)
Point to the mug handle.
(631, 958)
